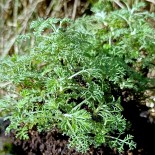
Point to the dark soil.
(142, 129)
(52, 143)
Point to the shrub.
(74, 76)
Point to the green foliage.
(73, 77)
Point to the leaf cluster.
(73, 77)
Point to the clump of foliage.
(73, 77)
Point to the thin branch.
(119, 3)
(74, 9)
(152, 1)
(49, 8)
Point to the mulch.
(52, 143)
